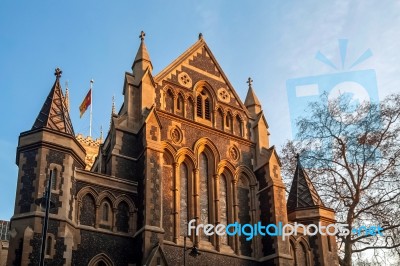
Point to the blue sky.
(271, 41)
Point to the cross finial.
(141, 36)
(58, 72)
(250, 81)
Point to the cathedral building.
(182, 147)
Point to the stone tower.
(48, 150)
(306, 207)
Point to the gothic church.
(183, 146)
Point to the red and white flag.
(85, 103)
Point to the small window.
(53, 176)
(203, 104)
(179, 103)
(105, 211)
(49, 243)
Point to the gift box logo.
(357, 86)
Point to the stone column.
(216, 207)
(235, 216)
(176, 181)
(196, 202)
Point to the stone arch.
(249, 174)
(101, 258)
(169, 152)
(202, 83)
(224, 166)
(205, 144)
(123, 197)
(104, 195)
(85, 191)
(185, 154)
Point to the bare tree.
(353, 155)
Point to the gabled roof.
(302, 192)
(54, 114)
(189, 53)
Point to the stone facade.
(183, 146)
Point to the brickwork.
(183, 146)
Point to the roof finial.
(250, 81)
(113, 106)
(66, 98)
(101, 133)
(142, 35)
(200, 36)
(58, 72)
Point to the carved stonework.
(176, 135)
(234, 153)
(223, 95)
(184, 80)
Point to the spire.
(113, 106)
(101, 134)
(252, 103)
(112, 111)
(54, 113)
(66, 100)
(302, 192)
(142, 59)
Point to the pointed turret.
(54, 114)
(252, 103)
(66, 100)
(304, 206)
(302, 192)
(142, 59)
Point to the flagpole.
(91, 105)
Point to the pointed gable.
(302, 192)
(199, 61)
(54, 114)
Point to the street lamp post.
(194, 252)
(46, 203)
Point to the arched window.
(239, 126)
(169, 101)
(301, 254)
(190, 108)
(49, 244)
(122, 222)
(179, 103)
(228, 121)
(106, 209)
(204, 173)
(223, 201)
(88, 211)
(203, 103)
(183, 199)
(220, 120)
(243, 194)
(53, 176)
